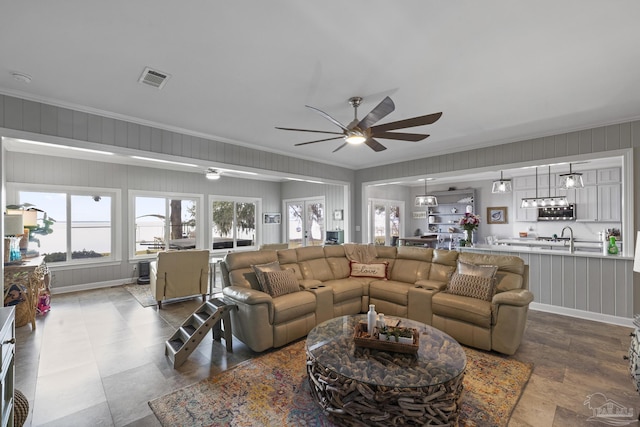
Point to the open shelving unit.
(443, 220)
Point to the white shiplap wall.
(38, 118)
(36, 169)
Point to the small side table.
(29, 275)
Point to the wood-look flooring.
(97, 358)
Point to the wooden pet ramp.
(208, 316)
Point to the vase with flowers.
(469, 223)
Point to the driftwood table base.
(359, 404)
(365, 387)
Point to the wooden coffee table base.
(358, 404)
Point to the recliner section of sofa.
(414, 288)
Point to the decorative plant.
(396, 332)
(470, 221)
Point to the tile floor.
(98, 357)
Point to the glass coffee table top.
(439, 359)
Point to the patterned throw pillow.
(472, 286)
(261, 269)
(477, 270)
(281, 282)
(376, 270)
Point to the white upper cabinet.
(609, 176)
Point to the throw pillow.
(261, 269)
(377, 270)
(281, 282)
(477, 270)
(472, 286)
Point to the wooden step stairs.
(211, 315)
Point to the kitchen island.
(583, 284)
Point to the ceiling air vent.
(153, 77)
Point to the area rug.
(142, 293)
(272, 390)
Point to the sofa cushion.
(346, 289)
(473, 286)
(261, 269)
(280, 282)
(506, 281)
(316, 269)
(293, 306)
(507, 263)
(466, 309)
(376, 270)
(410, 270)
(441, 273)
(391, 291)
(488, 271)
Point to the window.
(73, 225)
(165, 222)
(233, 223)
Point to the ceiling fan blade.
(379, 112)
(309, 130)
(408, 123)
(341, 147)
(402, 136)
(375, 145)
(328, 117)
(319, 140)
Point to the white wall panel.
(594, 284)
(36, 169)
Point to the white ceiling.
(499, 71)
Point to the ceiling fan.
(363, 131)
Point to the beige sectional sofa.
(415, 287)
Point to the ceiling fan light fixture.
(213, 174)
(502, 185)
(355, 138)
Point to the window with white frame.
(234, 222)
(161, 222)
(73, 225)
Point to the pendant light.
(571, 180)
(544, 202)
(502, 185)
(426, 199)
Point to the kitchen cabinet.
(529, 183)
(586, 201)
(609, 176)
(609, 203)
(524, 214)
(599, 201)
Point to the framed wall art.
(272, 218)
(497, 215)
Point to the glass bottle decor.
(613, 248)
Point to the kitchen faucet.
(571, 246)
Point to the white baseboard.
(581, 314)
(89, 286)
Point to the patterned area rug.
(272, 390)
(142, 293)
